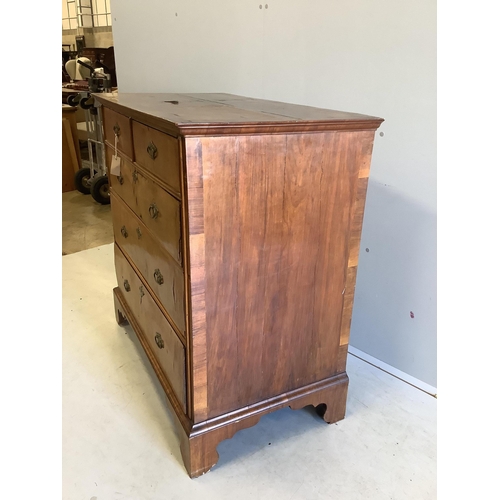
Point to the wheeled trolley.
(93, 179)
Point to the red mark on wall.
(411, 314)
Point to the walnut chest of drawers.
(237, 226)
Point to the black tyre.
(73, 100)
(82, 180)
(99, 190)
(87, 102)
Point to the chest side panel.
(277, 211)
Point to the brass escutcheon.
(152, 150)
(158, 277)
(159, 341)
(153, 211)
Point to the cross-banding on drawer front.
(158, 153)
(162, 273)
(165, 344)
(157, 209)
(116, 124)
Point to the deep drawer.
(165, 344)
(120, 124)
(156, 208)
(159, 154)
(162, 273)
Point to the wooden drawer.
(162, 273)
(158, 153)
(167, 347)
(123, 127)
(157, 209)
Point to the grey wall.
(365, 56)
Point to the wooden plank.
(195, 268)
(347, 306)
(276, 223)
(206, 114)
(364, 141)
(365, 145)
(337, 191)
(222, 251)
(260, 226)
(357, 221)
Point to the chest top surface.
(205, 113)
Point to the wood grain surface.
(171, 356)
(252, 211)
(125, 316)
(199, 448)
(276, 224)
(166, 163)
(196, 271)
(363, 159)
(208, 114)
(162, 273)
(156, 208)
(112, 119)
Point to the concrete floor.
(119, 441)
(85, 223)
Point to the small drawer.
(120, 124)
(157, 209)
(159, 154)
(162, 273)
(167, 348)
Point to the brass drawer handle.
(124, 232)
(152, 150)
(120, 179)
(159, 341)
(138, 231)
(116, 129)
(153, 211)
(135, 176)
(126, 285)
(158, 277)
